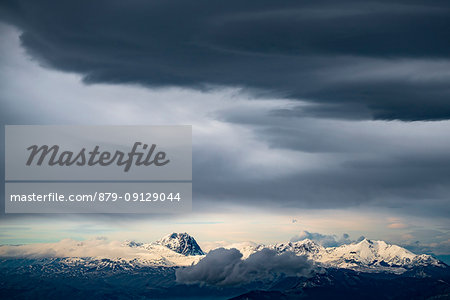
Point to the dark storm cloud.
(225, 267)
(356, 61)
(403, 167)
(294, 49)
(399, 187)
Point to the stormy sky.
(296, 106)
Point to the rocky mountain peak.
(181, 243)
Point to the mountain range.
(181, 249)
(151, 269)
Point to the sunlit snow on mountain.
(176, 263)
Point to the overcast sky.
(321, 116)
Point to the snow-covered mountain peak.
(181, 243)
(308, 244)
(372, 252)
(131, 244)
(372, 255)
(304, 247)
(378, 248)
(366, 255)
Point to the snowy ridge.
(114, 255)
(366, 255)
(181, 249)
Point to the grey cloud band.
(351, 59)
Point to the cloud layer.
(248, 151)
(281, 95)
(352, 59)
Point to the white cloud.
(98, 248)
